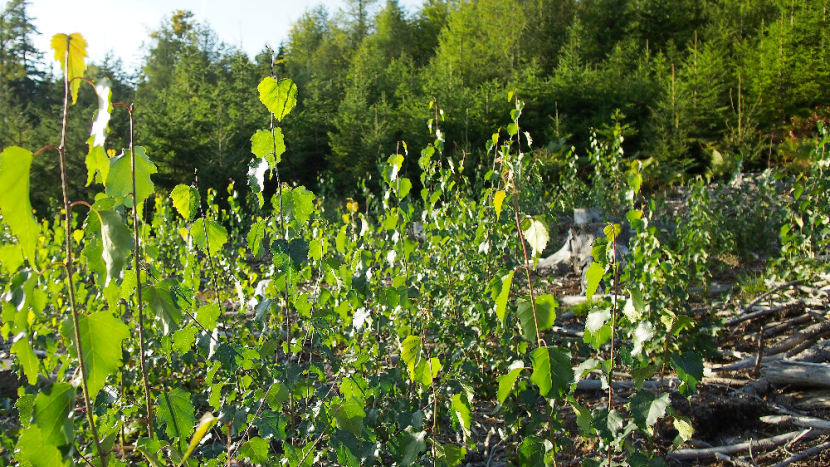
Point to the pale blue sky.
(122, 26)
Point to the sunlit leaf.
(51, 414)
(97, 163)
(209, 235)
(411, 353)
(33, 448)
(498, 200)
(76, 46)
(536, 234)
(175, 410)
(120, 180)
(461, 411)
(101, 337)
(161, 302)
(552, 370)
(205, 424)
(297, 203)
(117, 242)
(506, 382)
(256, 237)
(255, 450)
(593, 276)
(15, 206)
(27, 358)
(648, 408)
(545, 314)
(500, 291)
(278, 96)
(350, 416)
(268, 146)
(11, 258)
(186, 200)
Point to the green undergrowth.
(160, 329)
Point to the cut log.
(798, 373)
(797, 420)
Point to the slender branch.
(137, 267)
(48, 146)
(613, 332)
(68, 262)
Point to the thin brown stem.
(68, 263)
(48, 146)
(613, 333)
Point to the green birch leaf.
(120, 180)
(500, 291)
(205, 424)
(506, 382)
(33, 448)
(15, 206)
(532, 452)
(209, 235)
(51, 414)
(97, 163)
(411, 353)
(689, 367)
(402, 187)
(450, 454)
(268, 146)
(183, 339)
(101, 336)
(583, 417)
(76, 45)
(461, 412)
(175, 410)
(426, 371)
(117, 243)
(28, 360)
(186, 200)
(159, 299)
(277, 395)
(298, 203)
(271, 425)
(278, 96)
(684, 428)
(207, 315)
(11, 257)
(593, 276)
(255, 238)
(350, 416)
(552, 371)
(256, 451)
(545, 314)
(410, 445)
(648, 408)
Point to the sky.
(122, 26)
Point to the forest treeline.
(697, 86)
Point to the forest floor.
(746, 412)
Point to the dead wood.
(798, 373)
(797, 420)
(761, 444)
(767, 294)
(804, 454)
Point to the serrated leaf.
(101, 336)
(268, 146)
(117, 242)
(500, 291)
(186, 200)
(498, 200)
(641, 374)
(552, 370)
(34, 449)
(684, 427)
(120, 179)
(298, 203)
(296, 251)
(151, 448)
(277, 395)
(593, 276)
(207, 315)
(410, 445)
(76, 46)
(545, 314)
(532, 452)
(205, 423)
(271, 425)
(461, 411)
(175, 410)
(689, 367)
(278, 96)
(583, 417)
(256, 237)
(648, 408)
(209, 235)
(506, 383)
(402, 187)
(536, 234)
(256, 451)
(411, 353)
(27, 358)
(97, 163)
(350, 416)
(51, 414)
(11, 258)
(159, 299)
(426, 371)
(450, 454)
(183, 339)
(15, 207)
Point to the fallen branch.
(764, 312)
(804, 455)
(798, 373)
(797, 420)
(814, 331)
(767, 294)
(761, 444)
